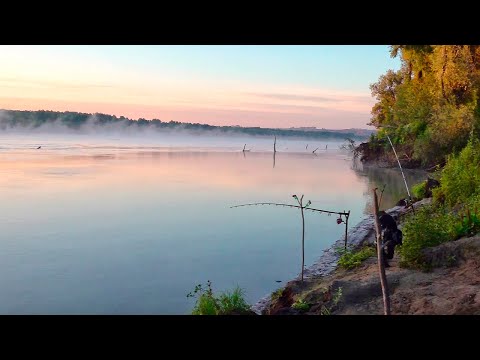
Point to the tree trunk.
(381, 264)
(444, 68)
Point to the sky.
(268, 86)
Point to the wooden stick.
(294, 206)
(381, 264)
(381, 195)
(303, 236)
(403, 175)
(346, 228)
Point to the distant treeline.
(75, 121)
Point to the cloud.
(16, 82)
(334, 98)
(298, 97)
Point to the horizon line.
(183, 122)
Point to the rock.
(451, 253)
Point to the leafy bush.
(209, 304)
(468, 222)
(352, 259)
(433, 225)
(301, 305)
(276, 294)
(428, 227)
(419, 190)
(460, 178)
(206, 303)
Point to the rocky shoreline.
(361, 234)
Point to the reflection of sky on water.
(133, 232)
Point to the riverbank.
(361, 234)
(451, 288)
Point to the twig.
(381, 195)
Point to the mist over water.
(129, 224)
(174, 141)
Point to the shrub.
(352, 259)
(419, 190)
(428, 227)
(277, 294)
(468, 218)
(209, 304)
(301, 305)
(206, 303)
(460, 178)
(469, 224)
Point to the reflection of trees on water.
(392, 177)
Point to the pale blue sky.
(207, 84)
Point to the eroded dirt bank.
(451, 287)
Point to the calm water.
(103, 227)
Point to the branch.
(293, 206)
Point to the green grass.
(352, 259)
(233, 301)
(301, 305)
(419, 189)
(208, 303)
(276, 294)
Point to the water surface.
(98, 227)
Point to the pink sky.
(37, 78)
(264, 115)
